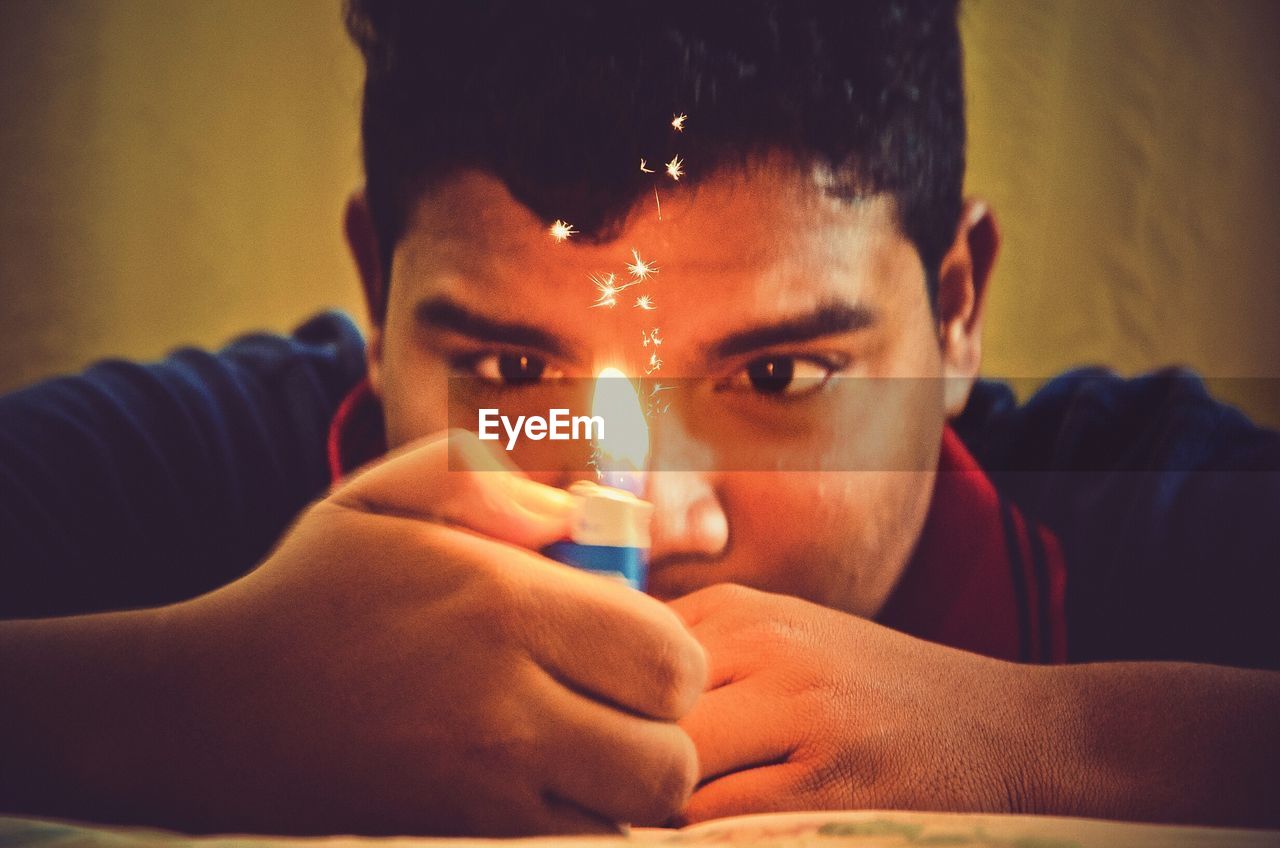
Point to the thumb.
(453, 478)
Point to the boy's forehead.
(737, 244)
(769, 203)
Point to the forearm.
(83, 720)
(1174, 742)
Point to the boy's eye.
(513, 369)
(790, 376)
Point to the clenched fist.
(404, 662)
(809, 708)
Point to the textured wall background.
(1132, 151)
(171, 171)
(174, 172)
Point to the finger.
(721, 618)
(523, 810)
(695, 607)
(596, 636)
(721, 601)
(760, 790)
(623, 768)
(454, 479)
(617, 645)
(732, 732)
(560, 816)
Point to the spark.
(640, 269)
(657, 201)
(644, 167)
(644, 301)
(650, 338)
(654, 364)
(655, 404)
(607, 288)
(675, 168)
(677, 122)
(561, 230)
(607, 291)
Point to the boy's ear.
(962, 287)
(363, 243)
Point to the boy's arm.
(1164, 741)
(401, 663)
(138, 485)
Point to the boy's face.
(766, 287)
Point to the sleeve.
(137, 485)
(1167, 503)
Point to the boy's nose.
(689, 522)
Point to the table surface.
(870, 828)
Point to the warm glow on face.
(624, 450)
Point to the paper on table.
(863, 829)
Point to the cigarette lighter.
(609, 535)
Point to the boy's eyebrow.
(447, 314)
(827, 320)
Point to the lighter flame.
(624, 450)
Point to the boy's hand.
(405, 662)
(808, 708)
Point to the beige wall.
(173, 172)
(1133, 149)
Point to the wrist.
(1053, 741)
(81, 715)
(1022, 745)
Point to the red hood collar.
(357, 433)
(982, 578)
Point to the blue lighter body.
(629, 564)
(609, 535)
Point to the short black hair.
(561, 98)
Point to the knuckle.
(465, 452)
(670, 782)
(461, 442)
(461, 484)
(731, 593)
(505, 739)
(494, 607)
(680, 674)
(731, 601)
